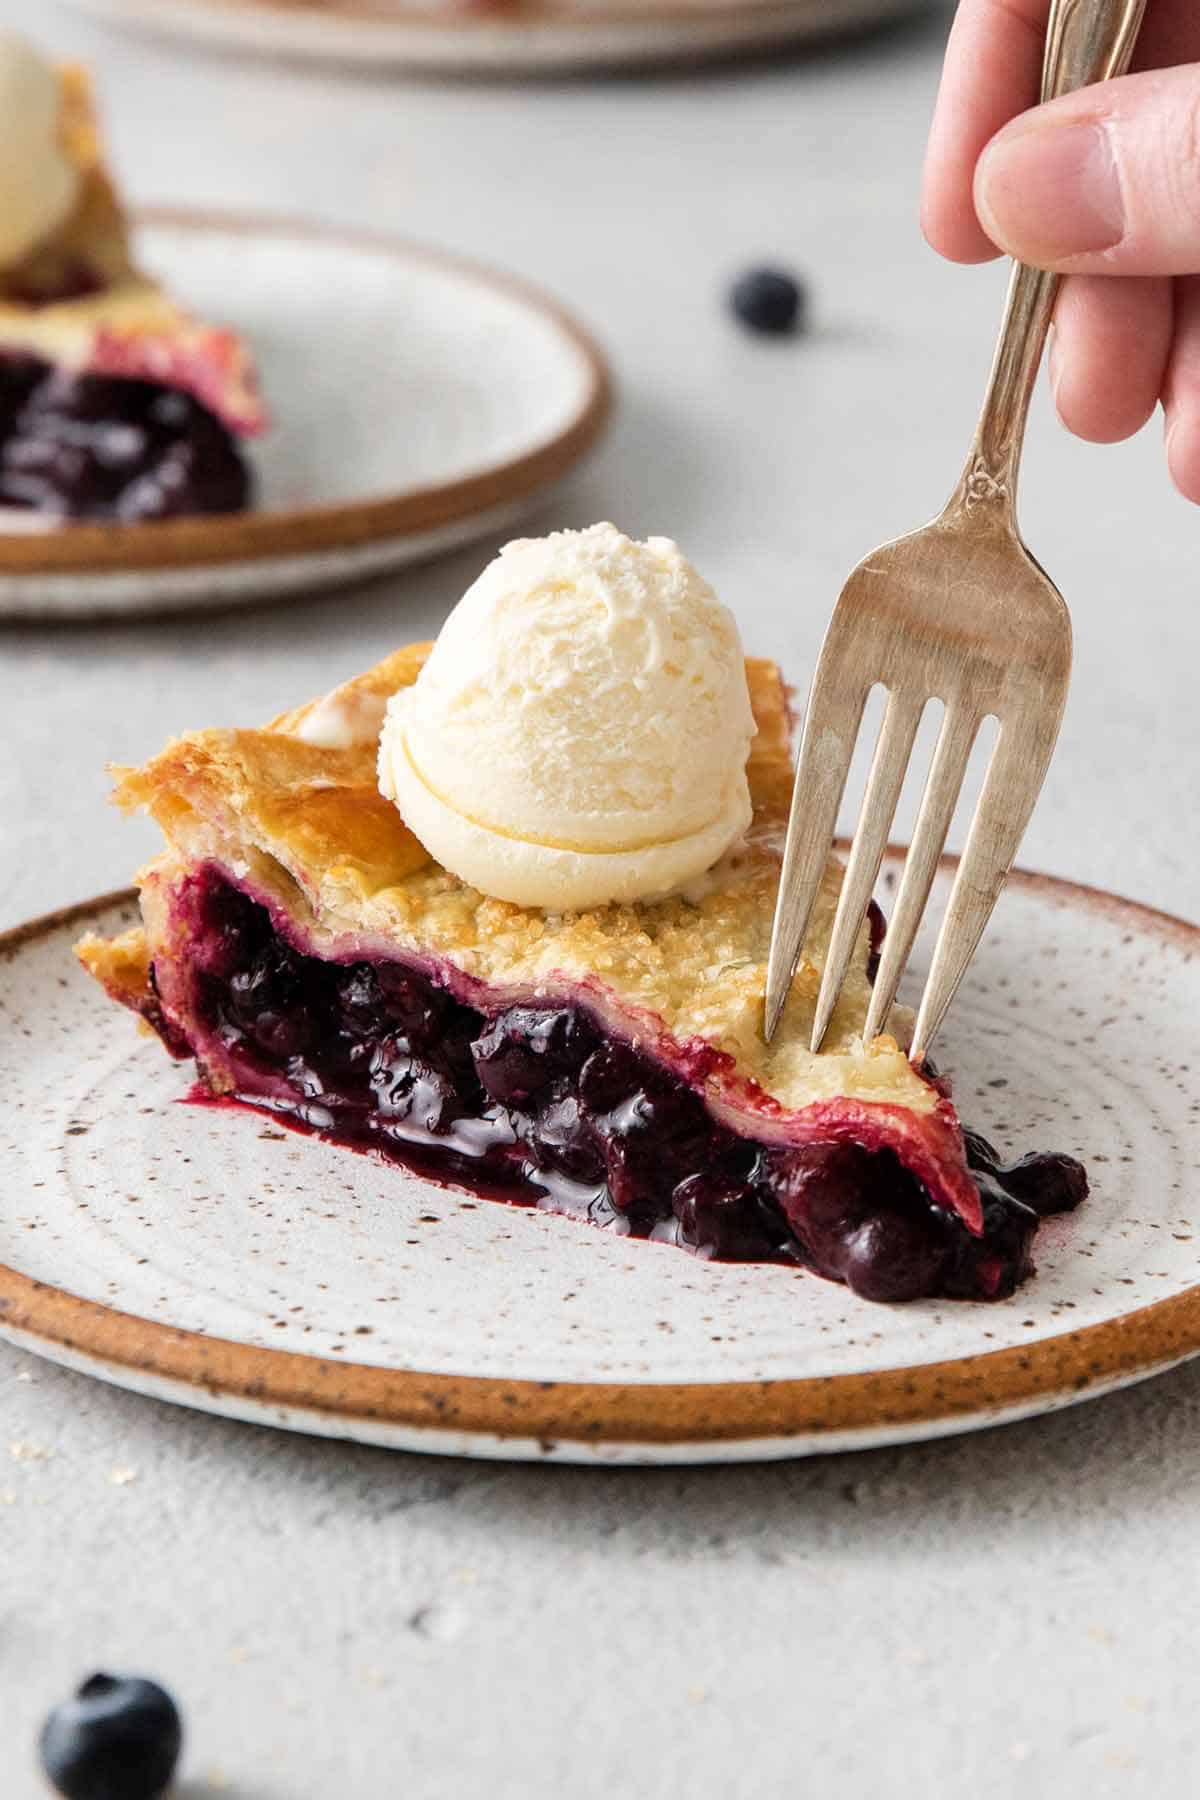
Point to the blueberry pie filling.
(317, 964)
(109, 447)
(536, 1102)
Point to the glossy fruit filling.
(536, 1102)
(107, 447)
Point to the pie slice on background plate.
(115, 402)
(301, 944)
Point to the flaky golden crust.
(121, 963)
(305, 827)
(115, 319)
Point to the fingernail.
(1046, 193)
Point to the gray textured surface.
(1005, 1615)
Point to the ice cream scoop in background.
(38, 182)
(580, 731)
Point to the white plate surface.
(1075, 1031)
(555, 36)
(393, 374)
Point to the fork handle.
(1086, 41)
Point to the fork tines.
(1028, 728)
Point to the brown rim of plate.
(295, 531)
(999, 1382)
(518, 16)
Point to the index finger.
(992, 72)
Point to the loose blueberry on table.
(769, 301)
(117, 1738)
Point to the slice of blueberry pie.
(115, 402)
(573, 1016)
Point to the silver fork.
(959, 612)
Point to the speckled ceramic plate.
(530, 37)
(209, 1257)
(417, 401)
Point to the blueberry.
(722, 1210)
(826, 1191)
(561, 1140)
(770, 301)
(390, 999)
(523, 1051)
(284, 1034)
(418, 1008)
(1048, 1182)
(894, 1256)
(655, 1131)
(118, 1739)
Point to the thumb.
(1105, 181)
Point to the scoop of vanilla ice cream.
(579, 733)
(38, 182)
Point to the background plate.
(417, 401)
(211, 1258)
(539, 36)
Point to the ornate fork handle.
(1087, 41)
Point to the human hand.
(1104, 183)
